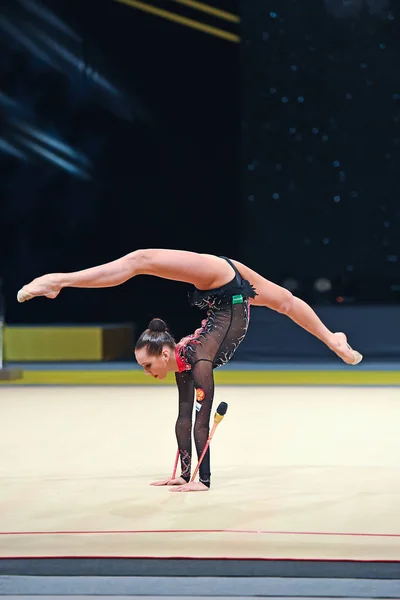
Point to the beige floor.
(292, 469)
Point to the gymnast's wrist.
(206, 482)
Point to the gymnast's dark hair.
(155, 337)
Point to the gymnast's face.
(156, 366)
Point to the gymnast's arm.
(183, 429)
(201, 376)
(203, 379)
(183, 426)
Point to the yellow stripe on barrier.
(59, 343)
(54, 343)
(210, 10)
(275, 378)
(169, 16)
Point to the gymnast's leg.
(281, 300)
(202, 270)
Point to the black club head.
(222, 408)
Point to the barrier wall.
(61, 343)
(275, 352)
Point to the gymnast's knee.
(286, 303)
(141, 260)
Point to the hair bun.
(157, 325)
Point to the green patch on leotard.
(237, 299)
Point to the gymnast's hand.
(193, 486)
(169, 481)
(47, 285)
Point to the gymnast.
(226, 289)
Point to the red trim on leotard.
(183, 364)
(180, 361)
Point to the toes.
(357, 357)
(23, 296)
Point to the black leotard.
(210, 347)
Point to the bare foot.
(344, 351)
(41, 286)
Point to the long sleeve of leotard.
(183, 426)
(203, 379)
(199, 382)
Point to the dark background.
(130, 132)
(165, 164)
(321, 146)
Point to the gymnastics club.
(175, 465)
(219, 415)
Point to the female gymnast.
(226, 288)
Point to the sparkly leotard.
(209, 347)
